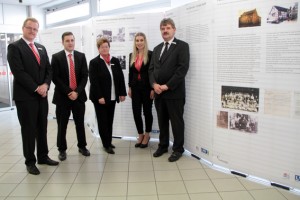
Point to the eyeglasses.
(31, 29)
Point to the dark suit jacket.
(28, 74)
(100, 79)
(133, 73)
(171, 70)
(60, 68)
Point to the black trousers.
(170, 110)
(32, 116)
(63, 113)
(105, 118)
(141, 99)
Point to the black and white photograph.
(122, 60)
(105, 33)
(240, 98)
(243, 122)
(131, 36)
(119, 35)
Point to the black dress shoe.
(62, 155)
(48, 161)
(32, 169)
(112, 146)
(84, 151)
(174, 156)
(109, 150)
(159, 152)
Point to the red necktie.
(73, 84)
(35, 53)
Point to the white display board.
(243, 87)
(121, 30)
(242, 106)
(242, 109)
(256, 88)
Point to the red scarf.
(106, 58)
(138, 64)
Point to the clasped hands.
(158, 89)
(42, 90)
(102, 100)
(73, 95)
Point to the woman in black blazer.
(140, 90)
(107, 87)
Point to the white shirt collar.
(170, 41)
(67, 53)
(27, 41)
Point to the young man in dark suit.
(70, 75)
(32, 72)
(167, 71)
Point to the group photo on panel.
(155, 78)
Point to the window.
(108, 5)
(74, 12)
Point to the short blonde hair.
(101, 41)
(32, 20)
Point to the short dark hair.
(66, 34)
(167, 21)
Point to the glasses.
(31, 29)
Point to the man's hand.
(101, 101)
(164, 87)
(73, 95)
(160, 88)
(157, 88)
(42, 90)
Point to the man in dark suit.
(32, 72)
(70, 76)
(167, 71)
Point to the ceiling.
(38, 3)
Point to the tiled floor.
(130, 174)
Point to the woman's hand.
(122, 98)
(152, 94)
(129, 92)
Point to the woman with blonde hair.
(140, 90)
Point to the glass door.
(5, 101)
(6, 77)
